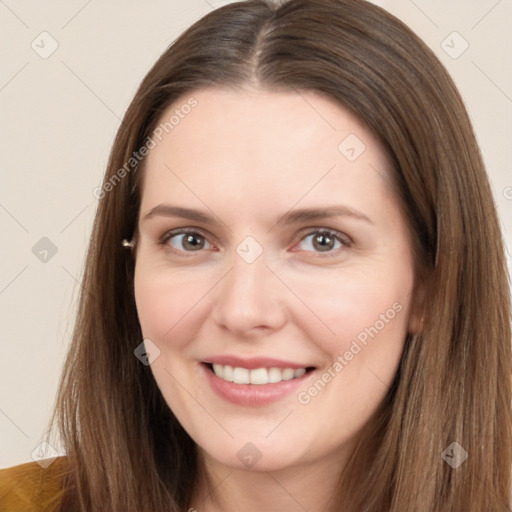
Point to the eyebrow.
(291, 217)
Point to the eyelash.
(343, 239)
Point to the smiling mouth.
(257, 376)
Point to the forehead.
(246, 145)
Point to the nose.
(250, 300)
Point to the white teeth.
(288, 373)
(218, 370)
(240, 375)
(274, 375)
(257, 376)
(227, 373)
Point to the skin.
(247, 157)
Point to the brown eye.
(322, 241)
(185, 241)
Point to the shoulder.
(31, 487)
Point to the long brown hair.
(125, 449)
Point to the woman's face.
(280, 315)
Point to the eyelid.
(345, 240)
(343, 237)
(305, 232)
(183, 231)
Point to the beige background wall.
(59, 114)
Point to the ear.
(416, 317)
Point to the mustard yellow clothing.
(30, 488)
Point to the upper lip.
(254, 362)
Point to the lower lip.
(252, 395)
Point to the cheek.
(168, 305)
(172, 305)
(354, 305)
(360, 325)
(157, 304)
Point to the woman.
(221, 360)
